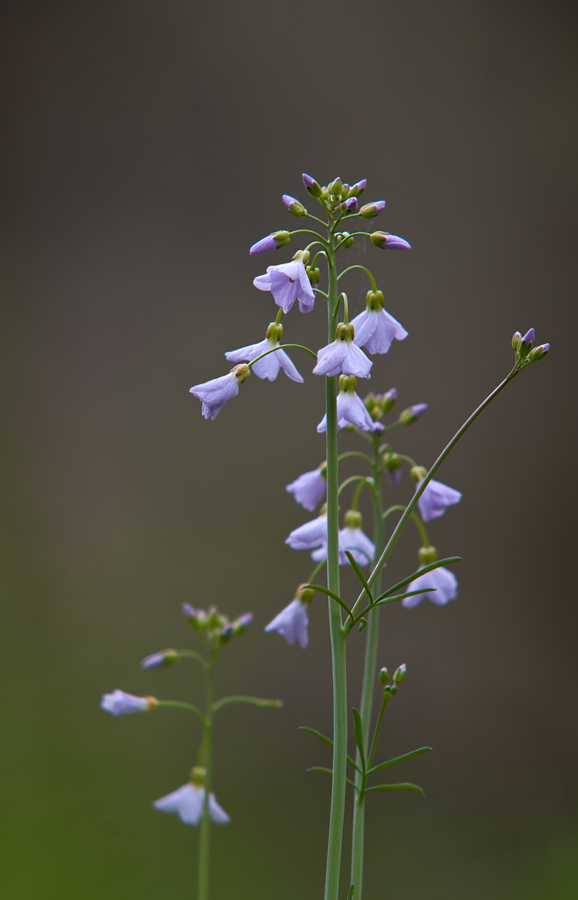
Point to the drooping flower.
(375, 329)
(188, 802)
(214, 394)
(389, 241)
(442, 584)
(351, 409)
(309, 488)
(271, 242)
(120, 703)
(343, 355)
(310, 535)
(269, 366)
(353, 539)
(288, 282)
(435, 499)
(292, 622)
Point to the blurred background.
(147, 147)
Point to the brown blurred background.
(147, 146)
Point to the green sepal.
(396, 787)
(330, 772)
(329, 743)
(398, 759)
(358, 735)
(252, 701)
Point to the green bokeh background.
(147, 147)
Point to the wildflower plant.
(194, 802)
(344, 363)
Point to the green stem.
(399, 507)
(338, 636)
(369, 670)
(281, 347)
(364, 269)
(207, 747)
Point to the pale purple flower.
(269, 366)
(214, 394)
(343, 356)
(292, 623)
(435, 499)
(442, 584)
(309, 535)
(189, 802)
(358, 544)
(351, 410)
(309, 488)
(288, 282)
(120, 703)
(271, 242)
(376, 329)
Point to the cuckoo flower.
(435, 499)
(442, 584)
(271, 242)
(343, 355)
(121, 704)
(375, 329)
(269, 366)
(189, 801)
(351, 409)
(311, 534)
(353, 539)
(309, 488)
(292, 622)
(389, 241)
(214, 394)
(288, 282)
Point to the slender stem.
(362, 478)
(364, 269)
(350, 454)
(369, 670)
(320, 240)
(316, 218)
(338, 637)
(399, 507)
(281, 347)
(207, 748)
(377, 729)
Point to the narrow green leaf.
(329, 772)
(252, 701)
(424, 571)
(351, 893)
(359, 574)
(403, 596)
(329, 743)
(358, 734)
(324, 590)
(396, 787)
(398, 759)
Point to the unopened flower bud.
(418, 473)
(312, 186)
(304, 594)
(412, 414)
(241, 623)
(353, 519)
(198, 775)
(371, 209)
(427, 556)
(313, 274)
(163, 658)
(390, 241)
(399, 674)
(388, 400)
(335, 187)
(383, 676)
(525, 345)
(294, 206)
(188, 611)
(393, 467)
(516, 338)
(539, 352)
(393, 690)
(344, 238)
(357, 190)
(241, 372)
(271, 242)
(351, 204)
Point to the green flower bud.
(313, 274)
(517, 337)
(383, 676)
(539, 352)
(399, 674)
(345, 191)
(418, 473)
(371, 209)
(335, 187)
(427, 556)
(345, 237)
(393, 690)
(412, 414)
(281, 237)
(242, 372)
(392, 462)
(353, 519)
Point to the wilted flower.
(120, 703)
(442, 584)
(189, 801)
(288, 282)
(271, 364)
(309, 488)
(214, 394)
(435, 499)
(375, 329)
(343, 356)
(292, 621)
